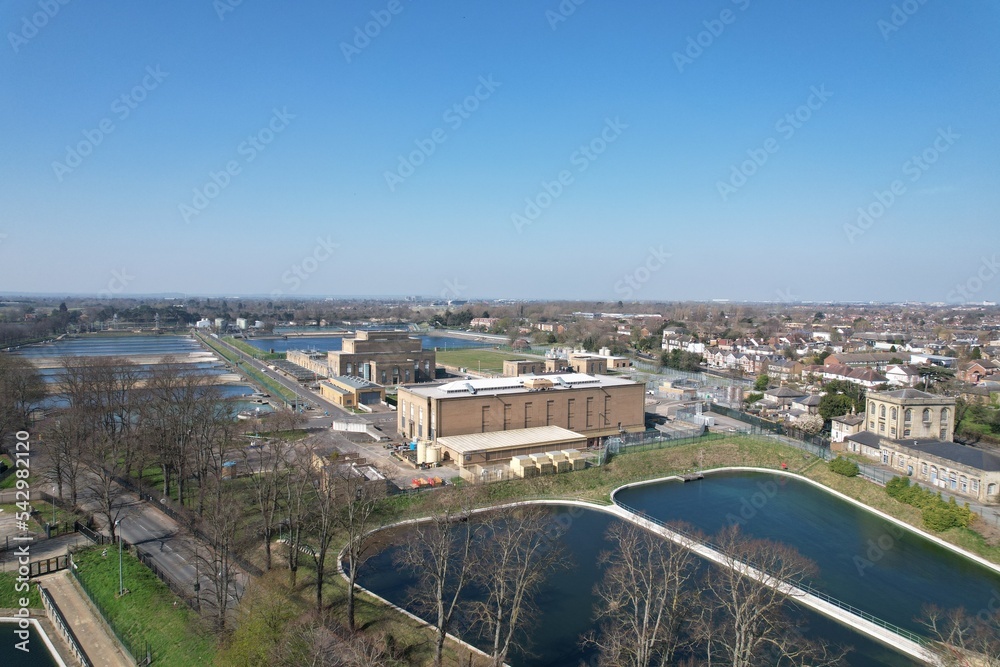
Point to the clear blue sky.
(678, 128)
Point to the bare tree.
(21, 388)
(645, 598)
(964, 640)
(746, 620)
(358, 495)
(441, 552)
(518, 559)
(268, 465)
(224, 527)
(65, 440)
(298, 507)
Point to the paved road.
(94, 638)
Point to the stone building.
(385, 357)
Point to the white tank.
(434, 454)
(421, 452)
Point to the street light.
(121, 583)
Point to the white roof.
(515, 384)
(522, 437)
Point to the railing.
(47, 565)
(132, 649)
(806, 588)
(59, 621)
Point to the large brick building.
(385, 357)
(911, 413)
(595, 406)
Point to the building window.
(871, 423)
(944, 416)
(944, 433)
(383, 377)
(963, 484)
(881, 427)
(871, 408)
(407, 374)
(906, 433)
(934, 475)
(893, 414)
(975, 486)
(953, 481)
(892, 431)
(927, 415)
(991, 490)
(923, 470)
(350, 368)
(881, 412)
(908, 415)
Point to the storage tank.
(421, 452)
(434, 454)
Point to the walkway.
(99, 645)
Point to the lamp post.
(121, 583)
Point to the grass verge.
(476, 359)
(10, 598)
(150, 612)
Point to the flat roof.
(355, 382)
(513, 385)
(522, 437)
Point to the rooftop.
(974, 457)
(355, 382)
(522, 437)
(513, 385)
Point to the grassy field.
(11, 598)
(258, 377)
(255, 352)
(491, 360)
(150, 612)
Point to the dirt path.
(97, 642)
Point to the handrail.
(806, 588)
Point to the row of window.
(907, 414)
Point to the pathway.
(97, 642)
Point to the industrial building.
(593, 406)
(350, 392)
(385, 357)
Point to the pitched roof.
(866, 438)
(974, 457)
(784, 392)
(909, 393)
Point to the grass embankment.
(253, 351)
(978, 538)
(150, 612)
(10, 598)
(477, 359)
(260, 378)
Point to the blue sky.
(728, 146)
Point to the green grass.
(251, 372)
(148, 613)
(471, 358)
(255, 352)
(10, 598)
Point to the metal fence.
(47, 565)
(700, 539)
(59, 621)
(132, 648)
(773, 427)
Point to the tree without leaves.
(441, 552)
(20, 388)
(519, 558)
(745, 621)
(644, 599)
(964, 640)
(64, 442)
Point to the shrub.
(845, 467)
(937, 514)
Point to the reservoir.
(566, 602)
(38, 656)
(863, 560)
(335, 343)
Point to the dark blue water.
(37, 656)
(334, 343)
(863, 560)
(567, 601)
